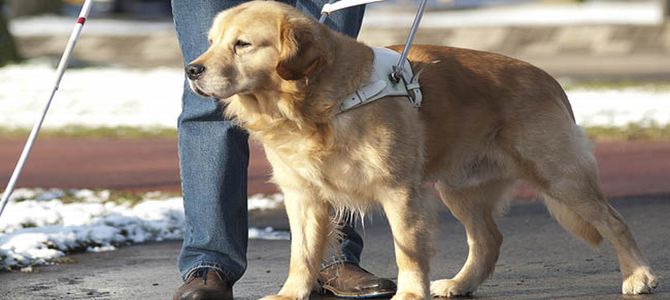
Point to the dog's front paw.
(449, 288)
(642, 281)
(407, 296)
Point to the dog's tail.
(573, 222)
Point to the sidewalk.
(603, 40)
(538, 261)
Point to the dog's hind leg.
(309, 220)
(410, 219)
(475, 208)
(565, 172)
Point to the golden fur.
(486, 121)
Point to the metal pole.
(65, 60)
(397, 72)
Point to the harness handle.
(331, 6)
(396, 76)
(397, 71)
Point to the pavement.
(539, 260)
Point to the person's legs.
(213, 157)
(351, 248)
(213, 153)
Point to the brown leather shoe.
(204, 284)
(347, 280)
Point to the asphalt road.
(538, 261)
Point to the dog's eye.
(240, 44)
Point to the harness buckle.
(412, 87)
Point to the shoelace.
(202, 273)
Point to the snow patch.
(109, 97)
(92, 97)
(39, 227)
(268, 234)
(263, 202)
(620, 107)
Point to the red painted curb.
(626, 168)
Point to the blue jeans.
(214, 154)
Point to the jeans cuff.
(227, 276)
(337, 259)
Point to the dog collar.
(381, 85)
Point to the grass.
(134, 198)
(89, 132)
(116, 196)
(631, 132)
(654, 86)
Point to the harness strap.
(381, 84)
(362, 96)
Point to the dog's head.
(256, 46)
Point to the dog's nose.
(194, 71)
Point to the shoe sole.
(330, 291)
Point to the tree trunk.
(8, 51)
(666, 10)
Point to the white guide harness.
(387, 78)
(381, 84)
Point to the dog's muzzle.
(194, 71)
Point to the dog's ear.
(302, 52)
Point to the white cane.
(64, 61)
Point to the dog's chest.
(335, 174)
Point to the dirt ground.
(626, 168)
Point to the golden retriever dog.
(486, 121)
